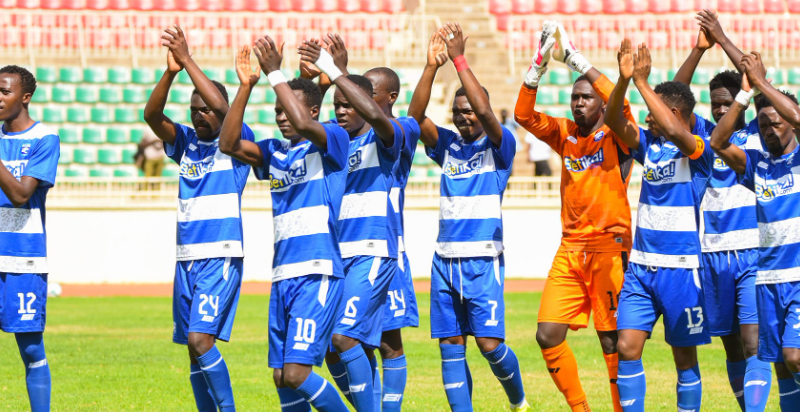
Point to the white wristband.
(744, 97)
(326, 64)
(275, 78)
(756, 91)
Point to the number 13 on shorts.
(695, 319)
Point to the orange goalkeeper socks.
(612, 361)
(564, 370)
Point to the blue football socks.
(690, 389)
(505, 367)
(202, 396)
(757, 384)
(219, 381)
(360, 378)
(790, 394)
(394, 383)
(632, 385)
(376, 381)
(37, 372)
(457, 385)
(321, 394)
(339, 374)
(736, 372)
(291, 401)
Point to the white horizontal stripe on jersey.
(484, 248)
(224, 248)
(765, 277)
(22, 264)
(364, 157)
(301, 222)
(664, 261)
(366, 247)
(302, 170)
(367, 204)
(479, 163)
(309, 267)
(726, 198)
(784, 232)
(666, 218)
(470, 207)
(733, 240)
(209, 208)
(394, 197)
(682, 171)
(19, 220)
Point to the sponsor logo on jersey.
(295, 174)
(720, 164)
(16, 167)
(472, 165)
(599, 135)
(196, 169)
(354, 161)
(657, 173)
(583, 163)
(784, 185)
(192, 147)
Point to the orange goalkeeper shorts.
(581, 282)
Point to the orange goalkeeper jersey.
(596, 169)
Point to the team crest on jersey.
(583, 163)
(296, 174)
(662, 174)
(720, 164)
(196, 169)
(572, 139)
(192, 147)
(599, 135)
(472, 165)
(784, 185)
(25, 149)
(354, 161)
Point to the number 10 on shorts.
(306, 332)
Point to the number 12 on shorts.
(27, 311)
(691, 313)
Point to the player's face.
(721, 102)
(776, 132)
(587, 107)
(205, 122)
(380, 93)
(284, 125)
(12, 100)
(465, 119)
(346, 116)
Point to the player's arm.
(757, 76)
(685, 73)
(230, 136)
(456, 42)
(429, 134)
(734, 157)
(270, 57)
(363, 104)
(175, 41)
(335, 46)
(20, 191)
(614, 117)
(159, 123)
(710, 24)
(669, 124)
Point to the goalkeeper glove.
(542, 57)
(568, 53)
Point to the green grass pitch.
(116, 354)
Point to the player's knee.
(200, 343)
(547, 340)
(343, 343)
(791, 357)
(31, 347)
(608, 342)
(628, 350)
(277, 377)
(388, 352)
(488, 344)
(293, 377)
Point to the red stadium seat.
(371, 6)
(794, 40)
(592, 6)
(31, 38)
(98, 38)
(211, 5)
(187, 5)
(518, 41)
(499, 6)
(279, 23)
(71, 4)
(587, 40)
(119, 5)
(501, 20)
(244, 38)
(393, 6)
(727, 6)
(97, 4)
(326, 6)
(93, 20)
(658, 40)
(773, 6)
(705, 4)
(219, 39)
(28, 4)
(165, 5)
(544, 6)
(51, 4)
(300, 24)
(373, 24)
(567, 6)
(349, 6)
(280, 5)
(522, 6)
(609, 40)
(303, 5)
(256, 5)
(613, 7)
(8, 4)
(138, 20)
(196, 37)
(257, 23)
(680, 6)
(377, 40)
(793, 6)
(751, 6)
(636, 6)
(658, 6)
(10, 37)
(187, 20)
(68, 20)
(143, 5)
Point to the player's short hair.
(221, 89)
(463, 92)
(677, 94)
(311, 93)
(392, 79)
(581, 78)
(362, 82)
(26, 79)
(729, 79)
(763, 101)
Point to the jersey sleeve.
(392, 153)
(702, 160)
(747, 179)
(437, 153)
(241, 169)
(268, 147)
(43, 161)
(603, 87)
(544, 127)
(175, 150)
(338, 144)
(504, 155)
(411, 129)
(644, 141)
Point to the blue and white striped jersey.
(777, 198)
(729, 209)
(474, 178)
(368, 223)
(398, 194)
(667, 222)
(23, 240)
(209, 198)
(307, 184)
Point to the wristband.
(744, 97)
(275, 78)
(326, 65)
(461, 63)
(756, 91)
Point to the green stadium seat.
(434, 172)
(564, 96)
(420, 159)
(125, 115)
(403, 113)
(77, 115)
(231, 77)
(136, 135)
(701, 76)
(110, 95)
(84, 156)
(141, 115)
(560, 77)
(749, 115)
(272, 97)
(184, 78)
(180, 96)
(612, 74)
(86, 95)
(656, 76)
(260, 134)
(249, 116)
(53, 115)
(108, 157)
(119, 75)
(94, 135)
(101, 115)
(401, 98)
(35, 112)
(170, 172)
(216, 74)
(332, 114)
(127, 156)
(414, 173)
(63, 94)
(177, 116)
(99, 172)
(575, 76)
(68, 135)
(70, 75)
(266, 116)
(276, 134)
(705, 96)
(568, 114)
(794, 76)
(141, 75)
(117, 135)
(42, 94)
(642, 116)
(46, 75)
(409, 94)
(66, 156)
(546, 96)
(671, 74)
(75, 172)
(95, 75)
(635, 97)
(776, 75)
(258, 95)
(133, 95)
(125, 172)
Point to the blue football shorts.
(401, 309)
(729, 287)
(23, 302)
(778, 319)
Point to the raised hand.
(335, 46)
(172, 65)
(710, 24)
(746, 84)
(754, 69)
(703, 41)
(247, 76)
(175, 41)
(642, 64)
(437, 52)
(309, 70)
(310, 51)
(625, 59)
(454, 38)
(269, 56)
